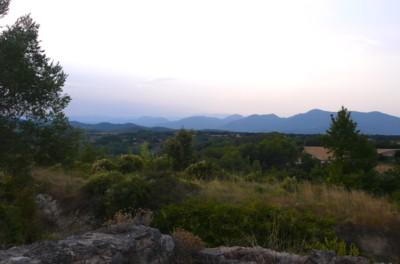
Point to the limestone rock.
(138, 244)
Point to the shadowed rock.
(137, 244)
(240, 255)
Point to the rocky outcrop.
(48, 208)
(239, 255)
(139, 244)
(135, 244)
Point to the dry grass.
(58, 183)
(356, 207)
(384, 167)
(187, 244)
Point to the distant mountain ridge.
(312, 122)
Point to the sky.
(129, 58)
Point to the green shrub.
(127, 195)
(95, 190)
(103, 165)
(203, 170)
(110, 192)
(18, 220)
(162, 163)
(165, 188)
(246, 224)
(130, 163)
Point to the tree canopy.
(30, 84)
(4, 7)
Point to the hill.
(313, 122)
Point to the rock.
(48, 207)
(138, 244)
(257, 255)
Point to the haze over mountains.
(313, 122)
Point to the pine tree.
(352, 152)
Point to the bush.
(103, 165)
(110, 192)
(186, 244)
(245, 225)
(203, 170)
(130, 163)
(127, 195)
(18, 220)
(95, 189)
(162, 163)
(166, 188)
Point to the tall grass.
(355, 207)
(59, 183)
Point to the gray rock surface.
(240, 255)
(135, 244)
(48, 207)
(140, 244)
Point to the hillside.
(312, 122)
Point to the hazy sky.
(184, 57)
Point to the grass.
(355, 207)
(57, 182)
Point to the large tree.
(30, 84)
(31, 95)
(33, 127)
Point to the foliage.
(233, 161)
(103, 165)
(89, 153)
(204, 170)
(397, 157)
(4, 7)
(352, 152)
(33, 89)
(186, 244)
(339, 246)
(110, 192)
(96, 189)
(130, 163)
(245, 224)
(18, 221)
(180, 149)
(275, 151)
(57, 142)
(127, 195)
(32, 125)
(160, 164)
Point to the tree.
(31, 97)
(352, 152)
(180, 149)
(4, 7)
(32, 124)
(30, 85)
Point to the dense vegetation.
(227, 188)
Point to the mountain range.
(313, 122)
